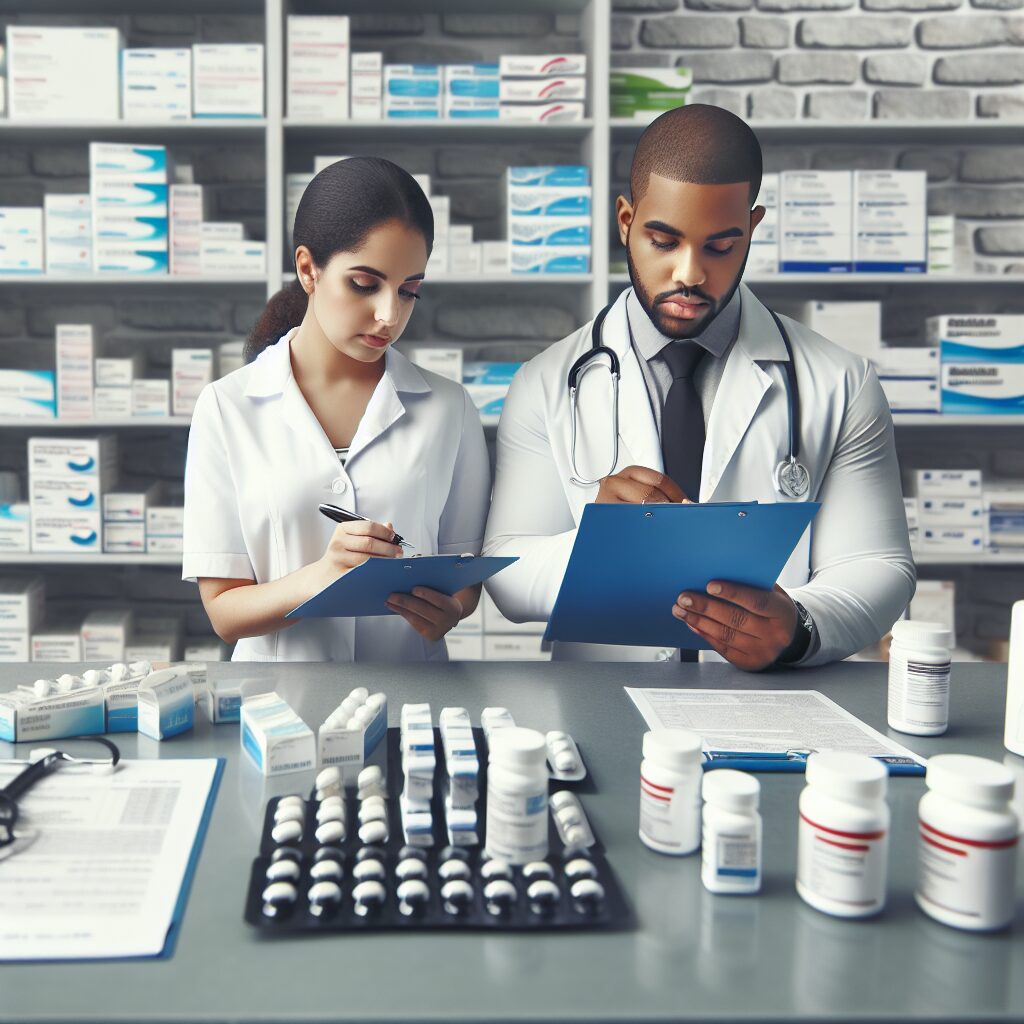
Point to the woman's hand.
(351, 544)
(429, 612)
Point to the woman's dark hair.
(336, 213)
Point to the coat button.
(339, 485)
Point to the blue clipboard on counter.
(629, 563)
(364, 589)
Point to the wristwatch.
(801, 637)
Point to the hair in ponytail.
(337, 212)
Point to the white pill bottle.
(517, 796)
(919, 667)
(967, 843)
(843, 839)
(731, 835)
(670, 785)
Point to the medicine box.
(912, 395)
(856, 326)
(21, 240)
(446, 362)
(92, 457)
(273, 736)
(28, 394)
(14, 646)
(191, 371)
(367, 87)
(22, 600)
(127, 259)
(465, 259)
(57, 73)
(317, 67)
(75, 355)
(227, 80)
(953, 539)
(67, 534)
(538, 66)
(542, 90)
(24, 717)
(117, 373)
(68, 228)
(351, 748)
(165, 520)
(187, 205)
(66, 495)
(151, 398)
(470, 107)
(123, 165)
(943, 512)
(105, 634)
(535, 259)
(61, 643)
(15, 527)
(227, 256)
(982, 362)
(124, 538)
(545, 202)
(167, 700)
(919, 361)
(156, 84)
(552, 176)
(562, 112)
(890, 221)
(126, 505)
(112, 403)
(946, 483)
(815, 221)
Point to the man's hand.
(636, 485)
(748, 627)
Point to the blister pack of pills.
(342, 861)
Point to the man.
(703, 415)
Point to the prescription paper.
(767, 722)
(104, 875)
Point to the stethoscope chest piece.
(791, 478)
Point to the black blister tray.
(566, 913)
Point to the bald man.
(703, 415)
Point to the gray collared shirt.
(717, 341)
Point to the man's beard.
(664, 324)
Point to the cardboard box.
(105, 634)
(191, 371)
(227, 80)
(21, 240)
(156, 84)
(28, 394)
(317, 68)
(125, 539)
(946, 483)
(367, 86)
(22, 603)
(538, 66)
(562, 112)
(15, 527)
(856, 326)
(151, 398)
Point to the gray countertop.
(693, 956)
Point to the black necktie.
(682, 421)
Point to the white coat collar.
(272, 370)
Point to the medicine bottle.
(731, 833)
(517, 796)
(843, 845)
(967, 843)
(670, 781)
(919, 663)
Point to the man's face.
(686, 246)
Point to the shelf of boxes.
(953, 420)
(15, 423)
(990, 558)
(853, 279)
(30, 558)
(142, 280)
(187, 130)
(494, 131)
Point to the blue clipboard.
(363, 590)
(629, 563)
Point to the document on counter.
(769, 730)
(108, 872)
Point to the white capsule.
(354, 725)
(331, 832)
(289, 812)
(337, 720)
(292, 798)
(500, 891)
(359, 694)
(376, 701)
(576, 836)
(496, 869)
(373, 832)
(364, 715)
(587, 889)
(348, 706)
(580, 868)
(372, 812)
(326, 871)
(287, 832)
(555, 735)
(543, 892)
(412, 895)
(367, 896)
(95, 676)
(277, 896)
(373, 800)
(538, 869)
(453, 869)
(323, 896)
(456, 893)
(370, 776)
(329, 812)
(566, 762)
(140, 668)
(561, 798)
(283, 871)
(42, 688)
(410, 868)
(367, 869)
(118, 672)
(326, 794)
(334, 802)
(569, 816)
(66, 683)
(329, 777)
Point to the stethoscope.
(790, 476)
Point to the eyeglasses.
(40, 764)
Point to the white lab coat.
(259, 463)
(852, 569)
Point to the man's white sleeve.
(530, 516)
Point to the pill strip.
(570, 821)
(565, 764)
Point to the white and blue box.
(412, 91)
(549, 232)
(28, 394)
(890, 222)
(549, 176)
(547, 201)
(815, 222)
(563, 259)
(982, 362)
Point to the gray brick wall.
(836, 59)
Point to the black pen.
(341, 515)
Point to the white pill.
(580, 868)
(566, 762)
(359, 694)
(331, 832)
(364, 715)
(543, 891)
(373, 800)
(337, 721)
(456, 894)
(118, 672)
(354, 725)
(569, 816)
(329, 812)
(42, 687)
(412, 895)
(333, 801)
(373, 832)
(277, 896)
(410, 868)
(376, 701)
(293, 799)
(368, 895)
(369, 868)
(288, 812)
(555, 735)
(587, 889)
(576, 836)
(327, 792)
(500, 891)
(454, 869)
(562, 798)
(95, 676)
(538, 869)
(322, 896)
(326, 871)
(496, 869)
(328, 777)
(283, 871)
(140, 668)
(372, 812)
(287, 832)
(66, 683)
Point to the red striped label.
(860, 848)
(947, 849)
(978, 844)
(652, 785)
(842, 835)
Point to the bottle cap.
(517, 746)
(847, 776)
(974, 780)
(915, 633)
(674, 748)
(731, 790)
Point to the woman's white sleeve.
(461, 527)
(213, 543)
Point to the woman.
(327, 411)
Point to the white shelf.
(32, 558)
(162, 280)
(197, 130)
(1003, 558)
(947, 420)
(851, 280)
(492, 129)
(12, 423)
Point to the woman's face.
(362, 300)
